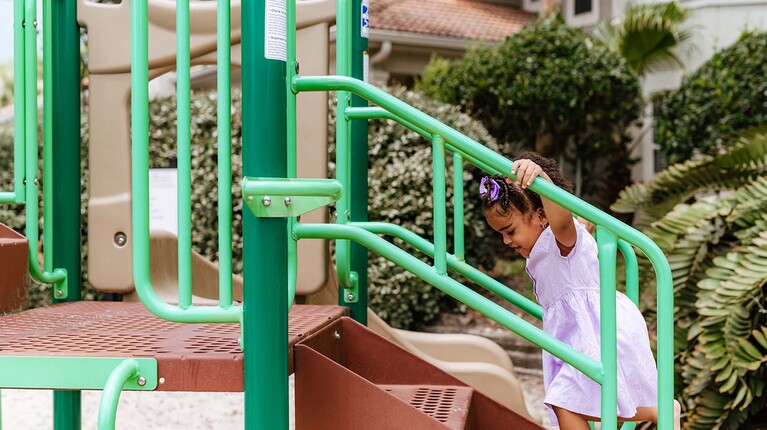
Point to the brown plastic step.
(446, 404)
(14, 270)
(343, 373)
(190, 357)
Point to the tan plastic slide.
(472, 359)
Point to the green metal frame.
(612, 234)
(269, 164)
(70, 373)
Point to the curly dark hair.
(524, 200)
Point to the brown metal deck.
(190, 357)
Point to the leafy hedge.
(727, 93)
(552, 89)
(400, 174)
(710, 218)
(400, 192)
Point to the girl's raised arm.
(560, 219)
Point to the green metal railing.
(185, 311)
(612, 235)
(25, 144)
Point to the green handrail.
(124, 372)
(471, 149)
(26, 105)
(454, 263)
(184, 312)
(587, 365)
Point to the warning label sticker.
(275, 35)
(365, 16)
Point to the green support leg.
(264, 154)
(359, 170)
(66, 170)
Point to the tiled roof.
(462, 19)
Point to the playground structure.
(366, 371)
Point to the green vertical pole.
(264, 154)
(66, 170)
(440, 211)
(359, 155)
(607, 244)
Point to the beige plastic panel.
(109, 206)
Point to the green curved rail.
(124, 372)
(355, 233)
(225, 312)
(611, 230)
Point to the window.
(582, 13)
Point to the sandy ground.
(33, 409)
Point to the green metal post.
(359, 157)
(66, 170)
(224, 153)
(440, 217)
(607, 244)
(264, 154)
(458, 215)
(184, 154)
(632, 271)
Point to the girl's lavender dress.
(568, 289)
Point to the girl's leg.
(644, 413)
(570, 420)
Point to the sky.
(6, 29)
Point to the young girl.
(562, 262)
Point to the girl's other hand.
(526, 171)
(589, 226)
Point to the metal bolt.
(296, 67)
(350, 297)
(37, 181)
(24, 181)
(141, 381)
(120, 239)
(267, 201)
(338, 335)
(288, 201)
(59, 293)
(250, 198)
(34, 23)
(348, 216)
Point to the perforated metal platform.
(190, 357)
(446, 404)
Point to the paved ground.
(32, 409)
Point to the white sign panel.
(163, 196)
(365, 15)
(275, 35)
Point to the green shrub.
(400, 192)
(710, 218)
(727, 93)
(552, 89)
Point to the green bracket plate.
(352, 294)
(288, 197)
(71, 373)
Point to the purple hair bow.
(492, 190)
